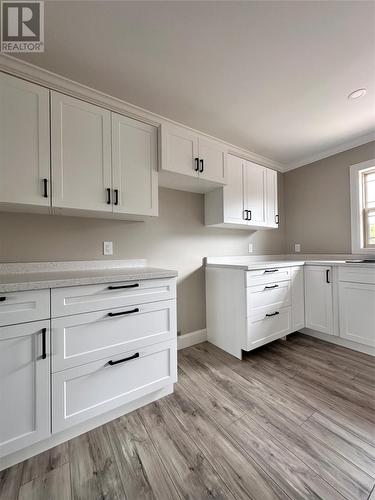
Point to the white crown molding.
(59, 83)
(345, 146)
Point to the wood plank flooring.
(293, 420)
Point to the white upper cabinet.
(134, 160)
(179, 150)
(211, 160)
(249, 199)
(24, 145)
(319, 299)
(81, 154)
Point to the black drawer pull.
(124, 312)
(2, 299)
(108, 196)
(271, 270)
(116, 197)
(327, 276)
(112, 287)
(269, 287)
(136, 355)
(196, 164)
(272, 314)
(276, 219)
(201, 161)
(44, 348)
(45, 188)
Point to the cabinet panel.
(263, 329)
(94, 388)
(255, 193)
(272, 215)
(213, 156)
(262, 297)
(134, 156)
(179, 150)
(233, 194)
(25, 389)
(24, 143)
(298, 298)
(357, 312)
(318, 299)
(81, 154)
(20, 307)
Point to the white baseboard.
(339, 341)
(191, 338)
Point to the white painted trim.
(191, 338)
(339, 341)
(46, 78)
(345, 146)
(355, 208)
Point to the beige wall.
(177, 239)
(317, 202)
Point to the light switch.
(297, 247)
(107, 248)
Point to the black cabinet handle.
(108, 196)
(271, 270)
(276, 219)
(116, 197)
(272, 314)
(3, 299)
(136, 355)
(244, 216)
(112, 287)
(269, 287)
(196, 164)
(124, 312)
(44, 348)
(249, 217)
(45, 188)
(327, 276)
(201, 161)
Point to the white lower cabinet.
(264, 327)
(25, 385)
(319, 299)
(89, 390)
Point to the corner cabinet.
(248, 201)
(24, 146)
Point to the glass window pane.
(371, 229)
(370, 177)
(370, 191)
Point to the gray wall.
(317, 202)
(177, 239)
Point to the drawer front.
(81, 299)
(89, 390)
(22, 307)
(357, 274)
(263, 329)
(83, 338)
(272, 295)
(266, 276)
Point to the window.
(362, 195)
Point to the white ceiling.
(272, 77)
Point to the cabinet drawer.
(89, 390)
(265, 276)
(272, 295)
(81, 299)
(262, 329)
(357, 274)
(83, 338)
(22, 307)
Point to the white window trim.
(357, 229)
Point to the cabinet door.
(212, 160)
(357, 312)
(81, 154)
(271, 198)
(25, 385)
(24, 143)
(298, 298)
(233, 194)
(255, 193)
(319, 299)
(179, 150)
(134, 161)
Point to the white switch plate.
(250, 248)
(297, 247)
(107, 248)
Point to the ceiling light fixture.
(357, 94)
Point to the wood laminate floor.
(293, 420)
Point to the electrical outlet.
(250, 248)
(297, 247)
(107, 248)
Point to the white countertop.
(56, 275)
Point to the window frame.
(358, 222)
